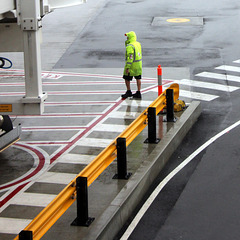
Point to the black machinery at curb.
(8, 134)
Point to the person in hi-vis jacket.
(133, 65)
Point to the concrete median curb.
(121, 208)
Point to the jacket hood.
(131, 37)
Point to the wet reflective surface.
(84, 112)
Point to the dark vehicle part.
(8, 134)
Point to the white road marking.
(33, 199)
(137, 103)
(52, 128)
(13, 225)
(219, 76)
(197, 95)
(56, 178)
(45, 143)
(72, 158)
(55, 115)
(97, 92)
(94, 142)
(229, 68)
(110, 127)
(237, 61)
(215, 86)
(71, 103)
(124, 115)
(66, 93)
(163, 183)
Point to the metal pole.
(82, 203)
(26, 235)
(152, 129)
(170, 106)
(122, 160)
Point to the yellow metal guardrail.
(45, 219)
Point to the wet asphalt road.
(190, 44)
(201, 201)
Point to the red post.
(159, 73)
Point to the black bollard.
(82, 203)
(170, 106)
(26, 235)
(152, 129)
(121, 160)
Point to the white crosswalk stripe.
(72, 158)
(219, 76)
(207, 85)
(13, 225)
(93, 142)
(110, 127)
(197, 95)
(124, 115)
(136, 103)
(33, 199)
(229, 68)
(56, 177)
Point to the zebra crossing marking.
(109, 127)
(56, 178)
(207, 85)
(124, 115)
(33, 199)
(13, 225)
(73, 158)
(228, 68)
(237, 61)
(219, 76)
(93, 142)
(197, 95)
(136, 103)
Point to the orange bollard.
(159, 73)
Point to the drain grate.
(177, 21)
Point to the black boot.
(137, 95)
(127, 94)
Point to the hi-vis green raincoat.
(133, 55)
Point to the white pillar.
(30, 20)
(32, 64)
